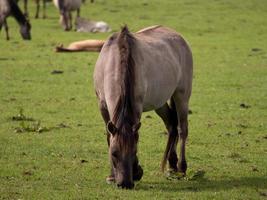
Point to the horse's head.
(25, 30)
(122, 152)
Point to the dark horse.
(10, 7)
(37, 8)
(138, 72)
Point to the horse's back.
(159, 39)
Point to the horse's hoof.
(173, 174)
(110, 179)
(137, 175)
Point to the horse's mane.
(16, 12)
(125, 114)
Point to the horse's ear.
(111, 128)
(136, 127)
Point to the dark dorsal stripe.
(16, 12)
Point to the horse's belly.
(156, 97)
(69, 4)
(73, 5)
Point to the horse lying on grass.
(85, 45)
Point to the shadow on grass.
(205, 184)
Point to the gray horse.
(137, 72)
(65, 8)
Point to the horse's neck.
(17, 13)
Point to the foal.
(10, 7)
(65, 8)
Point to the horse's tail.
(172, 136)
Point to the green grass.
(70, 160)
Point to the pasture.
(52, 137)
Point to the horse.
(139, 72)
(10, 7)
(80, 46)
(37, 8)
(65, 8)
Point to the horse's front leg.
(106, 118)
(44, 9)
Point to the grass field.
(52, 142)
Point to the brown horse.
(138, 72)
(37, 8)
(85, 45)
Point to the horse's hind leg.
(6, 29)
(181, 102)
(169, 117)
(44, 9)
(64, 20)
(26, 8)
(37, 8)
(70, 20)
(78, 13)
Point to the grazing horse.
(137, 72)
(10, 7)
(65, 8)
